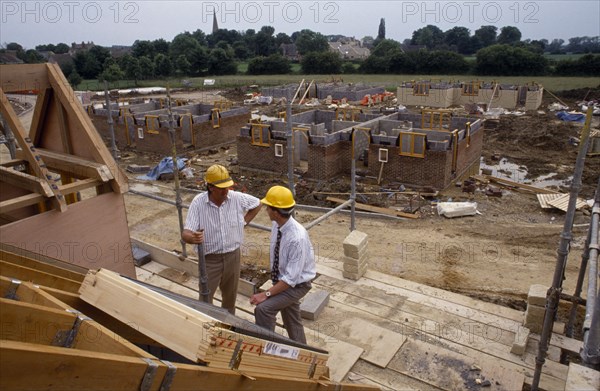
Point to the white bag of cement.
(457, 209)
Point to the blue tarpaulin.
(571, 117)
(164, 167)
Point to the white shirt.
(223, 225)
(296, 253)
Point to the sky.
(108, 23)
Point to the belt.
(304, 284)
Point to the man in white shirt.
(292, 266)
(217, 219)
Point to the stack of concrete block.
(355, 255)
(536, 308)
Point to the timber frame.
(62, 183)
(51, 339)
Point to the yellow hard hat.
(218, 176)
(279, 197)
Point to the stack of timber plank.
(98, 357)
(195, 335)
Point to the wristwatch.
(267, 293)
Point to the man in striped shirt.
(217, 218)
(292, 267)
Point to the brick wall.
(328, 161)
(262, 158)
(206, 136)
(159, 143)
(101, 125)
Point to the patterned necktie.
(275, 270)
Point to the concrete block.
(352, 276)
(355, 241)
(520, 342)
(355, 261)
(360, 269)
(537, 295)
(353, 252)
(313, 304)
(140, 257)
(535, 313)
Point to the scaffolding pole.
(290, 146)
(553, 294)
(328, 214)
(178, 202)
(591, 325)
(113, 145)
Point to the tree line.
(429, 51)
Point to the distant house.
(10, 57)
(350, 49)
(289, 51)
(80, 47)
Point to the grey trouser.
(223, 271)
(288, 303)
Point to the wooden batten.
(24, 78)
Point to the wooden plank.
(78, 167)
(33, 323)
(380, 345)
(522, 186)
(52, 266)
(28, 274)
(75, 111)
(36, 367)
(376, 209)
(582, 378)
(389, 379)
(187, 265)
(35, 162)
(544, 198)
(23, 77)
(39, 115)
(562, 202)
(449, 370)
(13, 163)
(25, 181)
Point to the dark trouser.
(223, 271)
(288, 303)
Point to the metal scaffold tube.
(553, 295)
(178, 201)
(591, 325)
(113, 145)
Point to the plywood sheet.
(342, 355)
(92, 233)
(562, 203)
(379, 344)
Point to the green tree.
(265, 41)
(507, 60)
(163, 65)
(430, 36)
(321, 63)
(385, 47)
(74, 79)
(112, 74)
(221, 63)
(487, 35)
(183, 45)
(587, 65)
(146, 67)
(182, 65)
(161, 46)
(275, 64)
(459, 38)
(556, 46)
(241, 50)
(33, 57)
(381, 31)
(131, 66)
(308, 41)
(509, 35)
(62, 48)
(143, 48)
(348, 68)
(199, 61)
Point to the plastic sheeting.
(571, 117)
(457, 209)
(164, 167)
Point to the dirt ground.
(495, 255)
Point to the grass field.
(390, 82)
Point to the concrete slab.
(580, 378)
(520, 344)
(313, 304)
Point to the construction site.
(455, 229)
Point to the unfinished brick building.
(430, 149)
(446, 94)
(145, 126)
